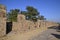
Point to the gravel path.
(47, 35)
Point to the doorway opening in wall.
(8, 27)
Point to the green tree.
(12, 15)
(40, 17)
(32, 13)
(24, 13)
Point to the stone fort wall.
(2, 20)
(2, 26)
(24, 25)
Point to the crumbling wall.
(24, 25)
(2, 26)
(2, 20)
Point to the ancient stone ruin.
(2, 20)
(21, 25)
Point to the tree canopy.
(31, 14)
(12, 15)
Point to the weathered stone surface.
(2, 20)
(24, 25)
(2, 26)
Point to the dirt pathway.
(50, 34)
(23, 36)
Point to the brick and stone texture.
(2, 26)
(24, 25)
(2, 20)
